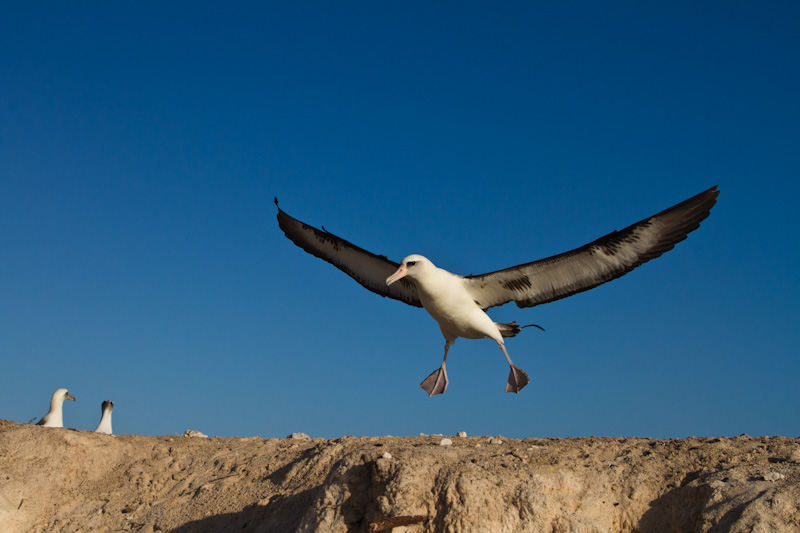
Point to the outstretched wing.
(368, 269)
(600, 261)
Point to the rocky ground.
(68, 480)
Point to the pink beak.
(400, 273)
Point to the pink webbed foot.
(517, 379)
(436, 383)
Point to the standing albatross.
(459, 303)
(55, 416)
(106, 408)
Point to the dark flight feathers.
(529, 284)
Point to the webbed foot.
(436, 383)
(517, 379)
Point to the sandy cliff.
(67, 480)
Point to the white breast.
(447, 300)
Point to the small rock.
(795, 456)
(386, 455)
(495, 440)
(445, 442)
(194, 433)
(717, 494)
(773, 476)
(298, 436)
(462, 434)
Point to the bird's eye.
(411, 263)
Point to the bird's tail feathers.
(512, 328)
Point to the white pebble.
(299, 436)
(494, 440)
(462, 434)
(445, 442)
(773, 476)
(193, 433)
(386, 455)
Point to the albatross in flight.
(459, 303)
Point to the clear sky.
(141, 144)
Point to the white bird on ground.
(54, 418)
(459, 303)
(105, 419)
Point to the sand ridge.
(56, 479)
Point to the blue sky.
(141, 145)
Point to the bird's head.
(62, 394)
(412, 266)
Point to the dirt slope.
(68, 480)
